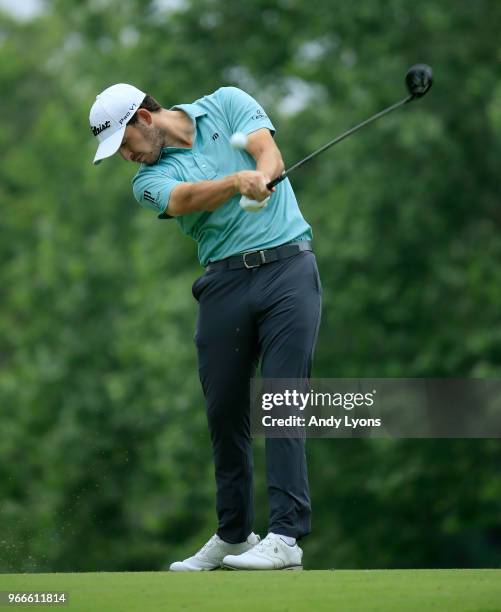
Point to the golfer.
(259, 297)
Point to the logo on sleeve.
(97, 129)
(259, 114)
(147, 196)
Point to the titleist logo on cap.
(97, 129)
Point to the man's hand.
(252, 183)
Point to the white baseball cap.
(110, 114)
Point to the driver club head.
(419, 79)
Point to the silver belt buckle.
(263, 260)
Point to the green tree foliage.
(105, 460)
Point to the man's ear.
(145, 116)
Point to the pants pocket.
(318, 282)
(196, 288)
(316, 275)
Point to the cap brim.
(110, 145)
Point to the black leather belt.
(254, 259)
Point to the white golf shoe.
(272, 553)
(210, 556)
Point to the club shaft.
(331, 143)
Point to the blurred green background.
(105, 460)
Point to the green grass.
(343, 590)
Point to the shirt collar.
(193, 110)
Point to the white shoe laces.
(207, 547)
(263, 545)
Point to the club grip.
(277, 180)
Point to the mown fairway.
(385, 590)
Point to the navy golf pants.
(270, 313)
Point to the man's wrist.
(236, 181)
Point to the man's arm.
(187, 198)
(262, 147)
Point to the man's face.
(141, 143)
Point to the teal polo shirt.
(228, 229)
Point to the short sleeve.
(243, 112)
(152, 190)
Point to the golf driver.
(419, 79)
